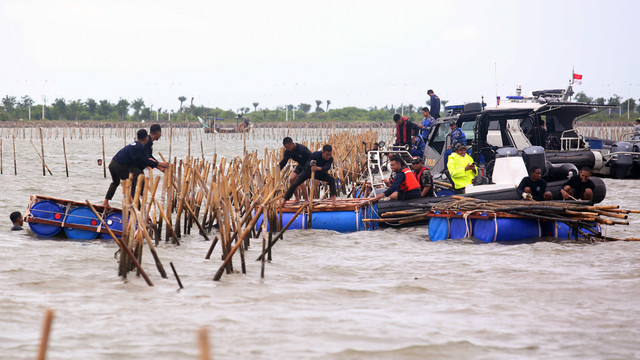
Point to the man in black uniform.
(534, 186)
(155, 132)
(320, 162)
(579, 187)
(132, 158)
(298, 153)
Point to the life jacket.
(419, 176)
(403, 136)
(410, 182)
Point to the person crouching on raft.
(319, 162)
(131, 159)
(298, 153)
(461, 168)
(404, 186)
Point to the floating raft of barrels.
(512, 220)
(48, 217)
(348, 215)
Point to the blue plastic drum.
(47, 210)
(561, 231)
(506, 229)
(459, 228)
(114, 222)
(438, 228)
(341, 221)
(81, 215)
(299, 223)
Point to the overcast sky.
(230, 54)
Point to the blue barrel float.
(341, 221)
(114, 222)
(81, 215)
(438, 228)
(561, 231)
(506, 229)
(46, 210)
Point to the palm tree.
(181, 99)
(318, 108)
(255, 106)
(137, 105)
(122, 107)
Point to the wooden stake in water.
(203, 341)
(1, 172)
(64, 150)
(44, 340)
(104, 163)
(15, 167)
(44, 172)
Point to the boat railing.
(378, 164)
(571, 140)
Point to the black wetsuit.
(320, 175)
(299, 154)
(132, 159)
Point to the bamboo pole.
(46, 330)
(104, 162)
(40, 156)
(15, 167)
(203, 342)
(64, 150)
(44, 173)
(120, 243)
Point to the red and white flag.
(577, 78)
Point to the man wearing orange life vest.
(404, 186)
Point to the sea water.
(387, 294)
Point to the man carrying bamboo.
(298, 153)
(132, 159)
(319, 164)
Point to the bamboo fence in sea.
(223, 197)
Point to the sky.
(230, 54)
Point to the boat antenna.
(495, 74)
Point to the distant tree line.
(24, 108)
(13, 109)
(615, 100)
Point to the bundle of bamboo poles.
(577, 215)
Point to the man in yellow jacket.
(461, 168)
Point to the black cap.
(416, 160)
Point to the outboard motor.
(535, 156)
(506, 152)
(560, 171)
(620, 163)
(635, 171)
